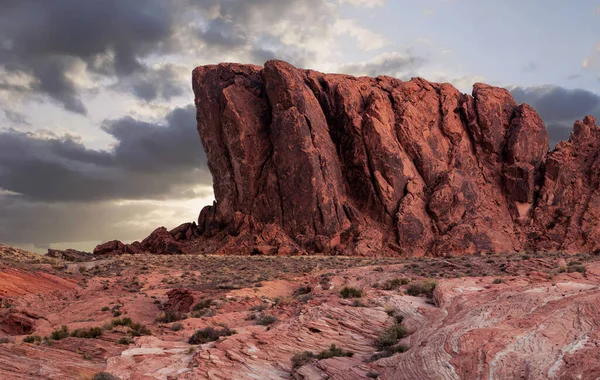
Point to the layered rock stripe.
(305, 161)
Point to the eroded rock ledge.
(327, 162)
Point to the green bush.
(425, 287)
(260, 307)
(394, 284)
(170, 316)
(349, 292)
(177, 327)
(576, 268)
(390, 336)
(202, 304)
(302, 290)
(334, 351)
(203, 313)
(265, 319)
(125, 340)
(125, 321)
(209, 334)
(137, 329)
(61, 333)
(32, 339)
(93, 332)
(389, 351)
(302, 358)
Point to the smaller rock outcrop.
(160, 241)
(111, 247)
(70, 255)
(180, 300)
(16, 322)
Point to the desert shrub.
(61, 333)
(105, 308)
(4, 340)
(389, 351)
(349, 292)
(390, 336)
(562, 269)
(265, 319)
(137, 329)
(394, 313)
(32, 339)
(302, 290)
(202, 304)
(498, 281)
(93, 332)
(358, 303)
(305, 298)
(260, 307)
(302, 358)
(209, 334)
(125, 340)
(425, 287)
(394, 284)
(372, 375)
(334, 351)
(203, 313)
(104, 376)
(169, 316)
(576, 268)
(177, 327)
(125, 321)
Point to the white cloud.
(364, 3)
(395, 64)
(365, 38)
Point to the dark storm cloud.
(45, 38)
(222, 33)
(40, 223)
(49, 40)
(148, 161)
(557, 103)
(163, 83)
(559, 107)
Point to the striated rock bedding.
(487, 316)
(310, 162)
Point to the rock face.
(370, 166)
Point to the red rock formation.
(372, 166)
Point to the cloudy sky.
(97, 127)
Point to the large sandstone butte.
(338, 164)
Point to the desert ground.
(522, 316)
